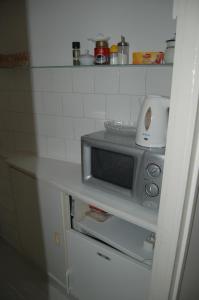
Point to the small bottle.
(123, 52)
(114, 55)
(76, 53)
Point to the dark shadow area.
(23, 248)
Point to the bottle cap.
(76, 45)
(101, 44)
(114, 49)
(123, 42)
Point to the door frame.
(181, 158)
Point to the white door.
(189, 288)
(181, 159)
(98, 272)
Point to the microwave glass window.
(115, 168)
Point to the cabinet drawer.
(99, 272)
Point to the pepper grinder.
(76, 53)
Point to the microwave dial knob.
(152, 190)
(153, 170)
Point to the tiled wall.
(46, 111)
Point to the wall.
(13, 26)
(54, 24)
(61, 104)
(46, 110)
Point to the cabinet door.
(53, 232)
(40, 223)
(25, 194)
(99, 272)
(8, 228)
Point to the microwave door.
(113, 167)
(115, 170)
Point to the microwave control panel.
(152, 181)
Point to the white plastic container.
(169, 52)
(86, 59)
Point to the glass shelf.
(91, 66)
(104, 66)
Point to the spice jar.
(101, 53)
(114, 55)
(76, 53)
(123, 52)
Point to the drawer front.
(100, 272)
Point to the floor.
(19, 280)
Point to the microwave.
(114, 162)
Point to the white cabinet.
(99, 272)
(41, 223)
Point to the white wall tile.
(107, 81)
(83, 126)
(132, 80)
(21, 80)
(42, 79)
(7, 142)
(56, 148)
(73, 151)
(136, 102)
(2, 125)
(45, 125)
(72, 105)
(8, 120)
(99, 125)
(23, 122)
(83, 80)
(118, 107)
(6, 79)
(68, 128)
(17, 101)
(94, 106)
(25, 142)
(62, 80)
(65, 104)
(29, 102)
(5, 100)
(52, 103)
(158, 80)
(41, 146)
(37, 102)
(54, 126)
(7, 216)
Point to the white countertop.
(67, 177)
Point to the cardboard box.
(146, 58)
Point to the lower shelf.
(122, 235)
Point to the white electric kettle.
(152, 122)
